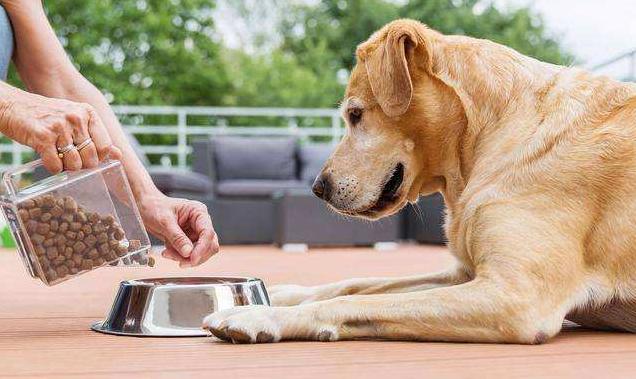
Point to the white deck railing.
(305, 123)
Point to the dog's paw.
(285, 295)
(247, 324)
(263, 324)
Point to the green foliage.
(169, 51)
(521, 29)
(341, 25)
(144, 51)
(280, 79)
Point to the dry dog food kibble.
(68, 239)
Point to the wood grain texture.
(44, 332)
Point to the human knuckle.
(199, 206)
(56, 126)
(78, 117)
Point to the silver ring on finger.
(83, 144)
(63, 150)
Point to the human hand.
(48, 124)
(184, 225)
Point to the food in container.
(73, 222)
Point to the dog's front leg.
(526, 278)
(290, 294)
(478, 311)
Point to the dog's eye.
(355, 115)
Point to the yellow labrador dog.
(537, 165)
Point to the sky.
(594, 30)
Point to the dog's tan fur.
(537, 165)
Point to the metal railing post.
(182, 139)
(335, 129)
(292, 125)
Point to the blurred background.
(298, 53)
(281, 53)
(183, 73)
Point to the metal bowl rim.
(189, 281)
(98, 326)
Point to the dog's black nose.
(321, 187)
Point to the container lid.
(14, 192)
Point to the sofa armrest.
(172, 181)
(203, 158)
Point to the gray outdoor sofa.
(261, 193)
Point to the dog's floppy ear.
(385, 60)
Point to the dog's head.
(397, 116)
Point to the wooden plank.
(44, 331)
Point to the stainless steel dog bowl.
(175, 307)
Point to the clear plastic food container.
(73, 222)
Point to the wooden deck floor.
(45, 331)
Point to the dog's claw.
(219, 333)
(248, 324)
(264, 337)
(237, 336)
(325, 336)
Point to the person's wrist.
(147, 193)
(8, 97)
(5, 111)
(139, 179)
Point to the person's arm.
(44, 67)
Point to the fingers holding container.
(67, 152)
(54, 144)
(79, 121)
(103, 144)
(84, 141)
(67, 135)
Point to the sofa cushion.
(171, 180)
(312, 158)
(256, 187)
(255, 158)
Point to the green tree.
(168, 51)
(280, 79)
(339, 24)
(336, 27)
(522, 29)
(144, 51)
